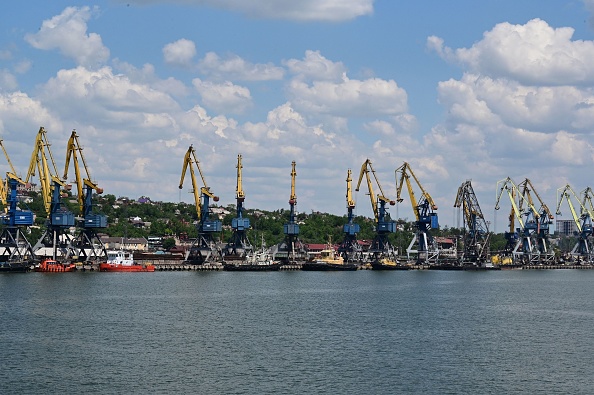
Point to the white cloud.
(22, 115)
(304, 10)
(225, 97)
(532, 54)
(349, 97)
(67, 32)
(180, 52)
(8, 81)
(314, 66)
(234, 67)
(110, 99)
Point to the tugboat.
(123, 261)
(387, 264)
(329, 261)
(50, 265)
(258, 261)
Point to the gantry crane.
(239, 245)
(204, 249)
(476, 229)
(15, 249)
(87, 244)
(583, 222)
(528, 217)
(291, 249)
(350, 249)
(425, 217)
(543, 217)
(381, 250)
(59, 218)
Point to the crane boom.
(190, 161)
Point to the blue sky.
(460, 90)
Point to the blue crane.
(349, 249)
(239, 245)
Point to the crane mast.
(426, 218)
(349, 249)
(15, 249)
(476, 237)
(87, 243)
(583, 222)
(239, 245)
(381, 249)
(291, 249)
(59, 218)
(203, 249)
(528, 217)
(543, 219)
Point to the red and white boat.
(53, 266)
(123, 261)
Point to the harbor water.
(364, 332)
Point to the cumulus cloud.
(81, 93)
(349, 97)
(225, 97)
(314, 66)
(67, 32)
(8, 81)
(234, 67)
(532, 54)
(180, 52)
(305, 10)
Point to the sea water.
(365, 332)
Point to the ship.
(49, 265)
(329, 261)
(257, 261)
(14, 267)
(387, 264)
(123, 261)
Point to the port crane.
(476, 237)
(349, 249)
(381, 249)
(528, 218)
(543, 218)
(239, 246)
(14, 246)
(425, 217)
(204, 248)
(59, 218)
(291, 249)
(583, 222)
(87, 244)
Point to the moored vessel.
(123, 261)
(387, 264)
(49, 265)
(328, 261)
(258, 261)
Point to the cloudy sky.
(457, 89)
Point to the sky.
(460, 90)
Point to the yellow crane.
(204, 248)
(239, 245)
(476, 229)
(425, 216)
(381, 249)
(349, 249)
(291, 248)
(15, 249)
(543, 218)
(59, 217)
(583, 221)
(527, 215)
(87, 243)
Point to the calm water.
(362, 332)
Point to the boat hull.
(248, 267)
(14, 267)
(323, 266)
(51, 266)
(108, 267)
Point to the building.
(566, 227)
(129, 243)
